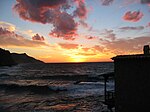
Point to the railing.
(110, 95)
(110, 99)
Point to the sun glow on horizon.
(82, 32)
(78, 59)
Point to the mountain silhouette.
(6, 58)
(9, 59)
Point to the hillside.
(6, 58)
(24, 58)
(9, 59)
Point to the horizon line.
(76, 62)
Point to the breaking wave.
(36, 89)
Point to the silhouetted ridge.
(24, 58)
(6, 58)
(9, 59)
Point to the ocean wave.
(71, 77)
(91, 83)
(5, 77)
(36, 89)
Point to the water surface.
(70, 87)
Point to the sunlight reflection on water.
(29, 87)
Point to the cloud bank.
(53, 12)
(7, 26)
(9, 38)
(68, 45)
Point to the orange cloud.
(85, 49)
(8, 38)
(98, 48)
(7, 26)
(68, 46)
(133, 16)
(87, 54)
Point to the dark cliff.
(6, 58)
(9, 59)
(24, 58)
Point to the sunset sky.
(74, 30)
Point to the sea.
(54, 87)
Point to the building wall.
(132, 85)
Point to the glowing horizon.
(74, 30)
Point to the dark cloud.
(83, 23)
(91, 37)
(50, 11)
(109, 34)
(37, 10)
(68, 46)
(133, 16)
(81, 10)
(38, 37)
(106, 2)
(44, 3)
(8, 38)
(128, 28)
(145, 1)
(64, 26)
